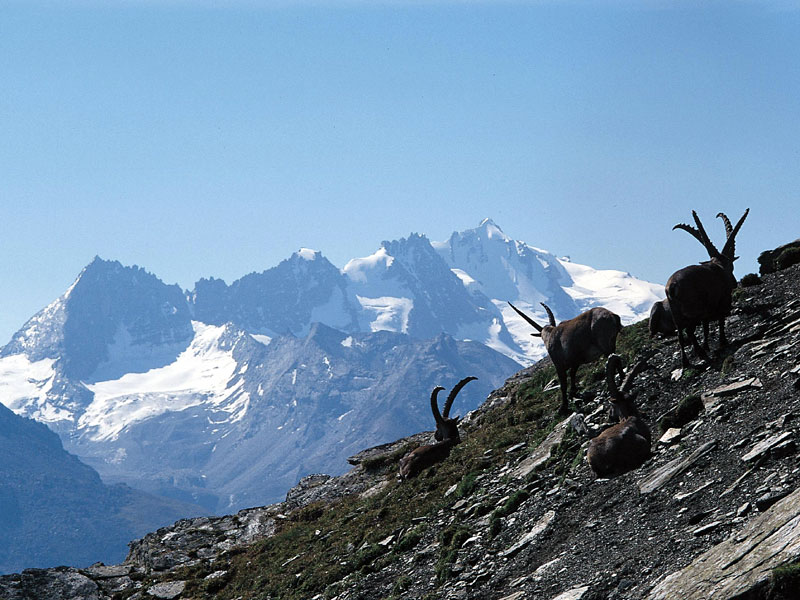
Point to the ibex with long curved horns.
(446, 435)
(701, 293)
(576, 342)
(626, 445)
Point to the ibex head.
(447, 427)
(621, 398)
(728, 254)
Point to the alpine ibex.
(661, 319)
(626, 445)
(701, 293)
(576, 342)
(446, 435)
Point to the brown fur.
(699, 294)
(576, 342)
(626, 445)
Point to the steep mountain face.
(278, 412)
(286, 299)
(110, 314)
(228, 394)
(55, 510)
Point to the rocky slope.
(515, 511)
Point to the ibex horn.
(549, 314)
(535, 325)
(730, 246)
(435, 404)
(452, 395)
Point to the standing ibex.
(446, 435)
(701, 293)
(626, 445)
(576, 342)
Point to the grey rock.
(765, 445)
(542, 452)
(663, 475)
(768, 499)
(742, 562)
(167, 590)
(538, 529)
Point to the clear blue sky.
(201, 141)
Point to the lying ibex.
(576, 342)
(626, 445)
(701, 293)
(446, 435)
(661, 319)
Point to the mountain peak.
(491, 230)
(307, 254)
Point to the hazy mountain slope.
(55, 510)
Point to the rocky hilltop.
(515, 511)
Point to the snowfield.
(199, 375)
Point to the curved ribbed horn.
(530, 321)
(549, 314)
(729, 249)
(637, 368)
(613, 366)
(435, 404)
(710, 246)
(727, 221)
(700, 235)
(452, 395)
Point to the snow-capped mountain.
(226, 395)
(491, 264)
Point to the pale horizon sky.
(196, 141)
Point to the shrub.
(687, 411)
(466, 486)
(787, 258)
(750, 280)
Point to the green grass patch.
(467, 485)
(785, 582)
(411, 538)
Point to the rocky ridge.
(515, 511)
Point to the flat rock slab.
(538, 529)
(107, 571)
(167, 590)
(514, 596)
(539, 456)
(736, 387)
(743, 561)
(63, 583)
(765, 445)
(662, 476)
(671, 436)
(573, 594)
